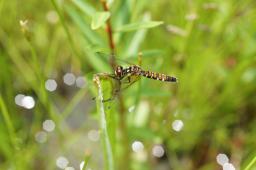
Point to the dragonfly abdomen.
(135, 70)
(158, 76)
(171, 79)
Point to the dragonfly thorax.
(135, 70)
(121, 72)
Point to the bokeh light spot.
(69, 79)
(93, 135)
(28, 102)
(51, 85)
(222, 159)
(52, 17)
(158, 151)
(48, 125)
(177, 125)
(41, 137)
(69, 168)
(18, 99)
(62, 162)
(80, 82)
(228, 166)
(137, 146)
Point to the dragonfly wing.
(118, 86)
(110, 85)
(128, 81)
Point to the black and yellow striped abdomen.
(158, 76)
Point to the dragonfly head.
(119, 71)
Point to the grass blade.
(8, 121)
(85, 7)
(86, 160)
(138, 37)
(250, 165)
(139, 25)
(90, 35)
(65, 27)
(99, 19)
(109, 156)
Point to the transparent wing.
(110, 86)
(119, 60)
(129, 80)
(119, 86)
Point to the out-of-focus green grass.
(209, 46)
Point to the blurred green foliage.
(208, 45)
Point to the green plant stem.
(41, 93)
(8, 121)
(62, 20)
(112, 60)
(249, 166)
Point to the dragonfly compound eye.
(119, 71)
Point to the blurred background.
(49, 52)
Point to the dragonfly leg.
(115, 93)
(108, 100)
(127, 80)
(106, 75)
(115, 85)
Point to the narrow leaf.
(105, 124)
(85, 7)
(133, 45)
(84, 26)
(86, 160)
(250, 165)
(139, 25)
(99, 19)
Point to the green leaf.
(107, 123)
(84, 26)
(250, 165)
(139, 25)
(94, 60)
(85, 7)
(8, 121)
(99, 19)
(133, 45)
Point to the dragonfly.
(131, 74)
(124, 77)
(135, 70)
